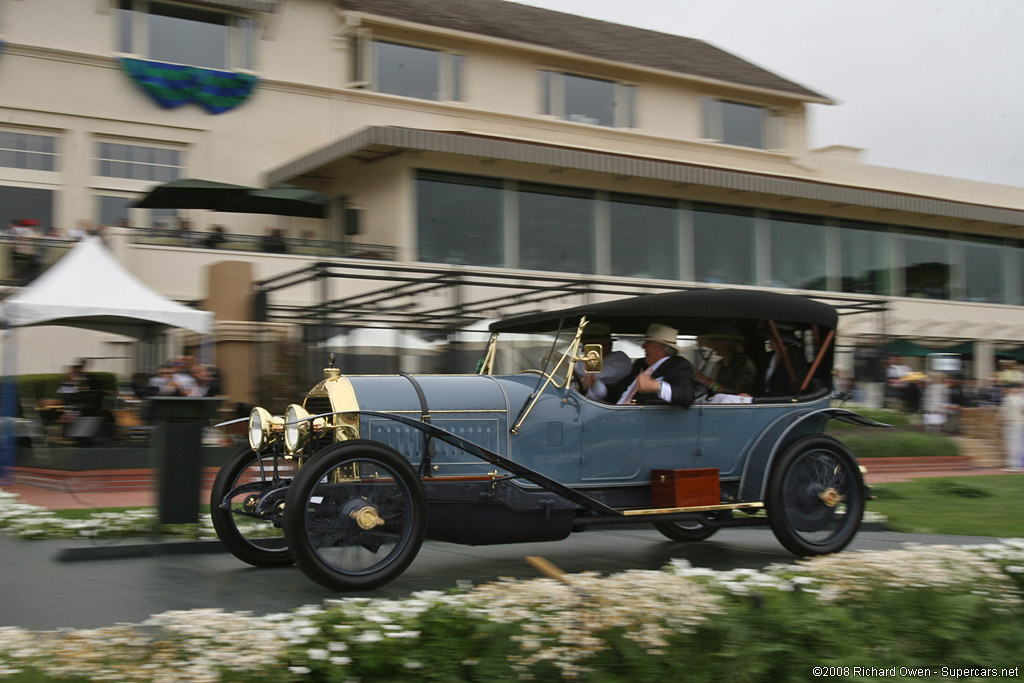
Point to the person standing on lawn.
(1011, 415)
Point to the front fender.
(754, 482)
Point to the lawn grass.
(991, 505)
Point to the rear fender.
(785, 430)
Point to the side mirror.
(593, 360)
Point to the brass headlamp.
(264, 428)
(298, 426)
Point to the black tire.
(815, 496)
(259, 542)
(355, 516)
(685, 530)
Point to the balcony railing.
(21, 261)
(195, 239)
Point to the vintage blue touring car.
(348, 484)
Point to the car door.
(624, 443)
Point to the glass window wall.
(865, 259)
(926, 266)
(644, 237)
(460, 219)
(983, 272)
(556, 228)
(464, 219)
(723, 245)
(797, 252)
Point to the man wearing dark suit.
(660, 376)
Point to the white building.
(479, 133)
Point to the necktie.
(632, 389)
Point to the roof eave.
(358, 17)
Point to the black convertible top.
(691, 312)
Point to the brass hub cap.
(251, 503)
(366, 517)
(830, 497)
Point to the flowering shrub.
(921, 605)
(927, 606)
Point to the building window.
(28, 151)
(983, 272)
(743, 125)
(26, 203)
(460, 219)
(415, 71)
(137, 162)
(798, 252)
(723, 245)
(644, 237)
(556, 228)
(587, 100)
(865, 261)
(926, 266)
(183, 34)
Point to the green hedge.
(897, 444)
(33, 388)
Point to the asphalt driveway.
(41, 591)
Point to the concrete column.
(984, 359)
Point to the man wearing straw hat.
(661, 376)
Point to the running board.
(695, 508)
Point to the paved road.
(41, 592)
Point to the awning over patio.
(375, 142)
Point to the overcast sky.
(935, 86)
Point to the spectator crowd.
(938, 400)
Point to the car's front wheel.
(246, 520)
(815, 496)
(355, 516)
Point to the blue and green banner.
(173, 85)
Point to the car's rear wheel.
(815, 496)
(355, 516)
(685, 530)
(241, 487)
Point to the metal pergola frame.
(473, 294)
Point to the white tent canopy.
(88, 288)
(382, 341)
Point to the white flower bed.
(23, 520)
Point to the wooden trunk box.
(684, 488)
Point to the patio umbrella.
(191, 193)
(286, 200)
